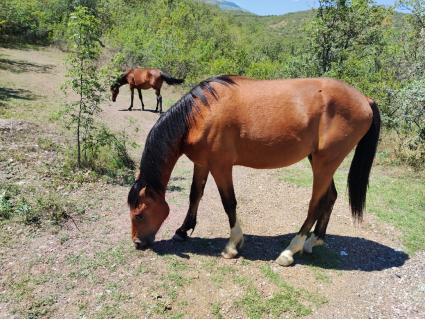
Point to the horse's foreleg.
(318, 236)
(223, 179)
(141, 98)
(132, 98)
(321, 181)
(160, 103)
(200, 176)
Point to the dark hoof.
(180, 235)
(129, 109)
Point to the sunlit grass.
(288, 300)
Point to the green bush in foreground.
(35, 209)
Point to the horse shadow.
(140, 110)
(340, 252)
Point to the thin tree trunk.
(79, 115)
(78, 139)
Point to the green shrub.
(5, 206)
(8, 192)
(29, 215)
(106, 156)
(55, 208)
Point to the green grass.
(217, 272)
(22, 295)
(41, 307)
(173, 281)
(110, 259)
(395, 197)
(216, 310)
(32, 207)
(288, 300)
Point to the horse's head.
(148, 210)
(115, 89)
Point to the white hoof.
(285, 260)
(229, 252)
(236, 241)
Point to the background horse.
(227, 121)
(143, 79)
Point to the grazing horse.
(143, 79)
(227, 121)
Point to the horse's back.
(283, 120)
(146, 78)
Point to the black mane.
(166, 135)
(119, 81)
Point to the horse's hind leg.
(322, 177)
(223, 179)
(200, 176)
(141, 98)
(318, 236)
(158, 100)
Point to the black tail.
(169, 79)
(358, 177)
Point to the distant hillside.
(225, 5)
(292, 25)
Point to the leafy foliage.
(374, 48)
(84, 34)
(409, 122)
(97, 147)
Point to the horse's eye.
(139, 217)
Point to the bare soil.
(93, 271)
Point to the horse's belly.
(263, 155)
(143, 86)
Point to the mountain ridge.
(226, 5)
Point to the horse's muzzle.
(144, 243)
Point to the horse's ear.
(142, 192)
(148, 192)
(133, 195)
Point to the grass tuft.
(289, 300)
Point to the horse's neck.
(164, 169)
(168, 169)
(124, 79)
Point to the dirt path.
(95, 273)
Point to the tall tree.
(413, 37)
(408, 107)
(84, 50)
(342, 28)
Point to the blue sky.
(267, 7)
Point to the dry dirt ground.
(93, 271)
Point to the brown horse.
(227, 121)
(143, 79)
